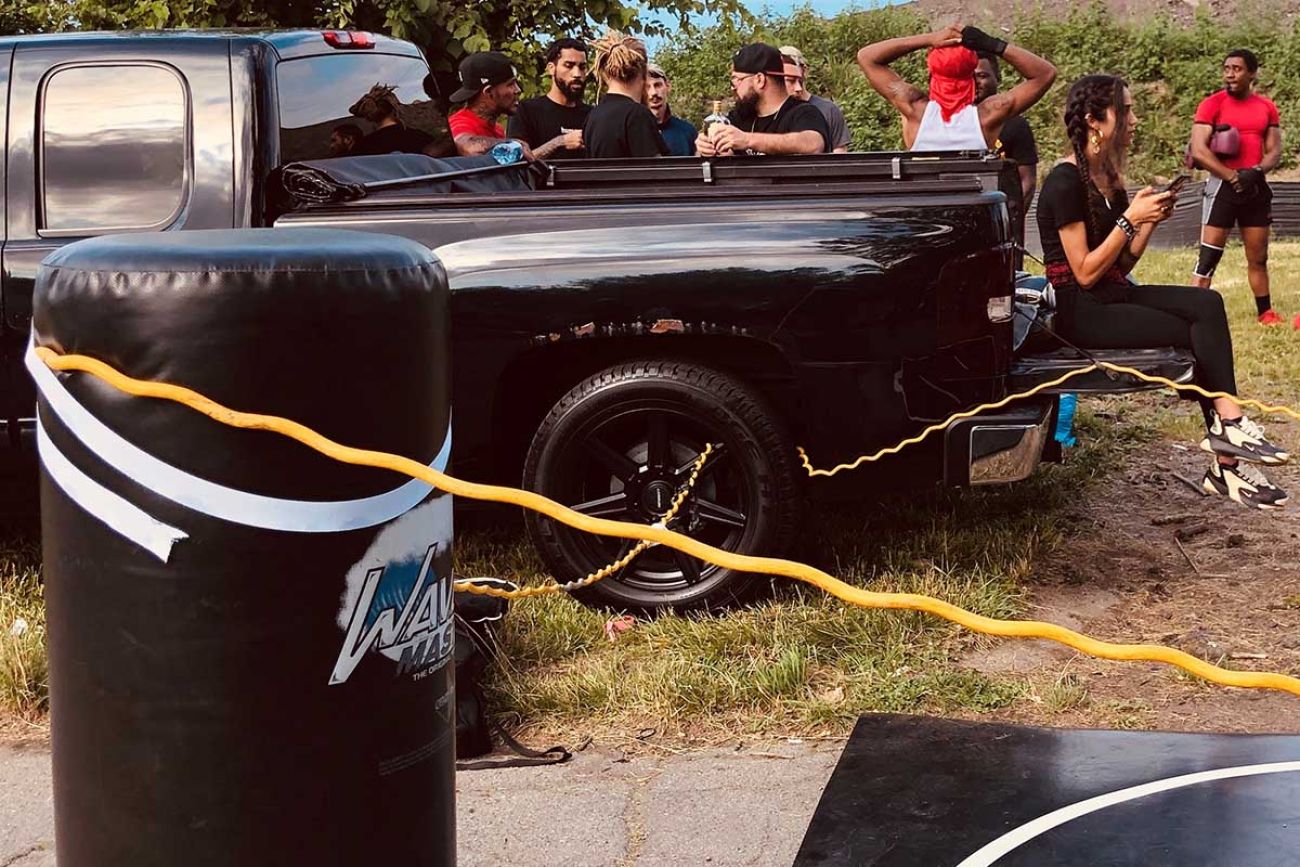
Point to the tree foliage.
(445, 29)
(1170, 66)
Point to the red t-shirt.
(1251, 116)
(466, 122)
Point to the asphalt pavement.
(745, 807)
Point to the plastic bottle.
(1065, 420)
(507, 152)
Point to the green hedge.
(1171, 67)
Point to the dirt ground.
(1153, 560)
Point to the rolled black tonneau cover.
(343, 179)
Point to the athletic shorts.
(1223, 207)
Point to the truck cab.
(158, 131)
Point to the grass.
(1066, 693)
(801, 663)
(23, 669)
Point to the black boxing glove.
(981, 43)
(1250, 180)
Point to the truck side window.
(113, 148)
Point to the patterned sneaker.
(1245, 484)
(1242, 438)
(1270, 317)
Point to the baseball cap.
(794, 54)
(482, 69)
(654, 70)
(758, 57)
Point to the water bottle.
(507, 152)
(1065, 420)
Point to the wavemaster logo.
(398, 597)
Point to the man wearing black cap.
(489, 89)
(766, 119)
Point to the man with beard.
(1015, 143)
(552, 124)
(678, 134)
(766, 119)
(1237, 138)
(489, 89)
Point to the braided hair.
(1091, 97)
(619, 58)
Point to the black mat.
(927, 792)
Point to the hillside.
(1183, 11)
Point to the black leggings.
(1120, 316)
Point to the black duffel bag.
(478, 621)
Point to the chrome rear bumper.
(998, 448)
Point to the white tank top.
(962, 132)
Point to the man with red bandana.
(1237, 138)
(948, 118)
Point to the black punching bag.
(250, 644)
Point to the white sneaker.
(1245, 484)
(1244, 439)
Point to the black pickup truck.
(610, 318)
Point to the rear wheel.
(623, 442)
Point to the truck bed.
(852, 280)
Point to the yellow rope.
(985, 407)
(553, 586)
(935, 428)
(663, 536)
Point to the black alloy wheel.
(623, 443)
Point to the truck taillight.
(347, 39)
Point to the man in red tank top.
(1237, 193)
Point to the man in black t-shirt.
(766, 119)
(552, 124)
(1015, 143)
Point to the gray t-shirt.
(834, 119)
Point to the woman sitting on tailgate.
(1093, 235)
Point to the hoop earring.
(1094, 138)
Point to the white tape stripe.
(219, 501)
(119, 514)
(1016, 838)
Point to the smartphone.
(1177, 184)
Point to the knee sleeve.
(1208, 260)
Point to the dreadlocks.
(619, 58)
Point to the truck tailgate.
(1031, 370)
